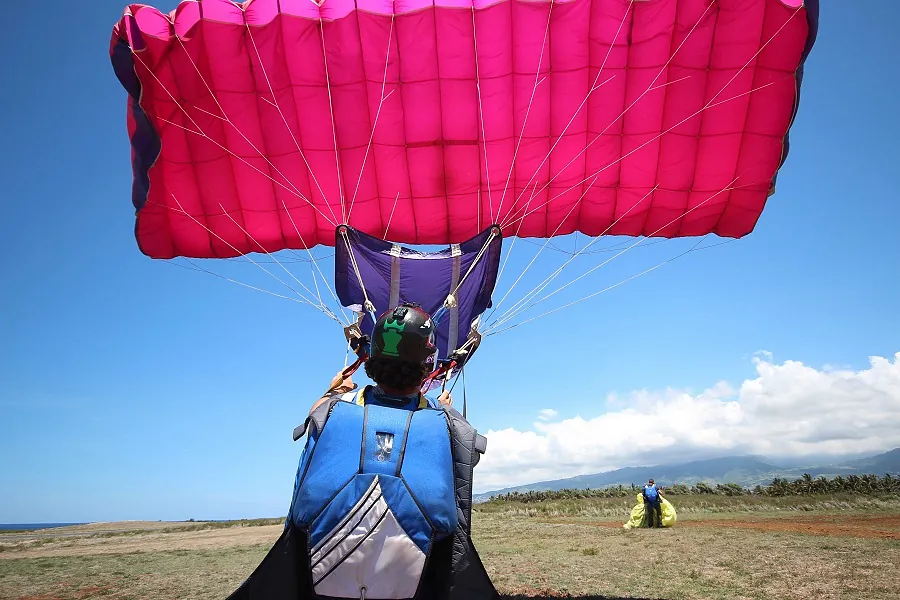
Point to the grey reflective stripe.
(453, 334)
(342, 529)
(395, 277)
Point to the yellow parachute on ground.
(637, 514)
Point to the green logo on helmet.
(391, 336)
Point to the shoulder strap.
(320, 414)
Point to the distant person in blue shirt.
(652, 505)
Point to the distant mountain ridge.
(743, 470)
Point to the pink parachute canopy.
(263, 125)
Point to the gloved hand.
(341, 384)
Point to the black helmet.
(405, 334)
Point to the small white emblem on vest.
(385, 443)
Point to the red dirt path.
(825, 525)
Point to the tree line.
(807, 485)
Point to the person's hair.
(395, 374)
(651, 481)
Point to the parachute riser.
(447, 367)
(359, 343)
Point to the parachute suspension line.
(367, 305)
(619, 246)
(460, 375)
(487, 168)
(198, 268)
(551, 246)
(513, 211)
(478, 205)
(463, 373)
(337, 152)
(391, 218)
(649, 89)
(513, 313)
(546, 242)
(516, 307)
(254, 167)
(604, 290)
(273, 257)
(452, 301)
(594, 87)
(710, 104)
(362, 169)
(537, 81)
(511, 246)
(559, 270)
(227, 119)
(316, 265)
(604, 250)
(288, 261)
(243, 160)
(269, 273)
(284, 118)
(316, 285)
(653, 139)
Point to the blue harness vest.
(374, 492)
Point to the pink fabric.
(442, 160)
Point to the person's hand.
(341, 384)
(445, 398)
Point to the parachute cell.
(264, 125)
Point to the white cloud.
(547, 414)
(789, 409)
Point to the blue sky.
(132, 389)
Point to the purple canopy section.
(393, 274)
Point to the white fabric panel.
(371, 551)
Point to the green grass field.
(839, 547)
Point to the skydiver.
(382, 501)
(652, 504)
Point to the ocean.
(29, 526)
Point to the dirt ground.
(86, 541)
(858, 526)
